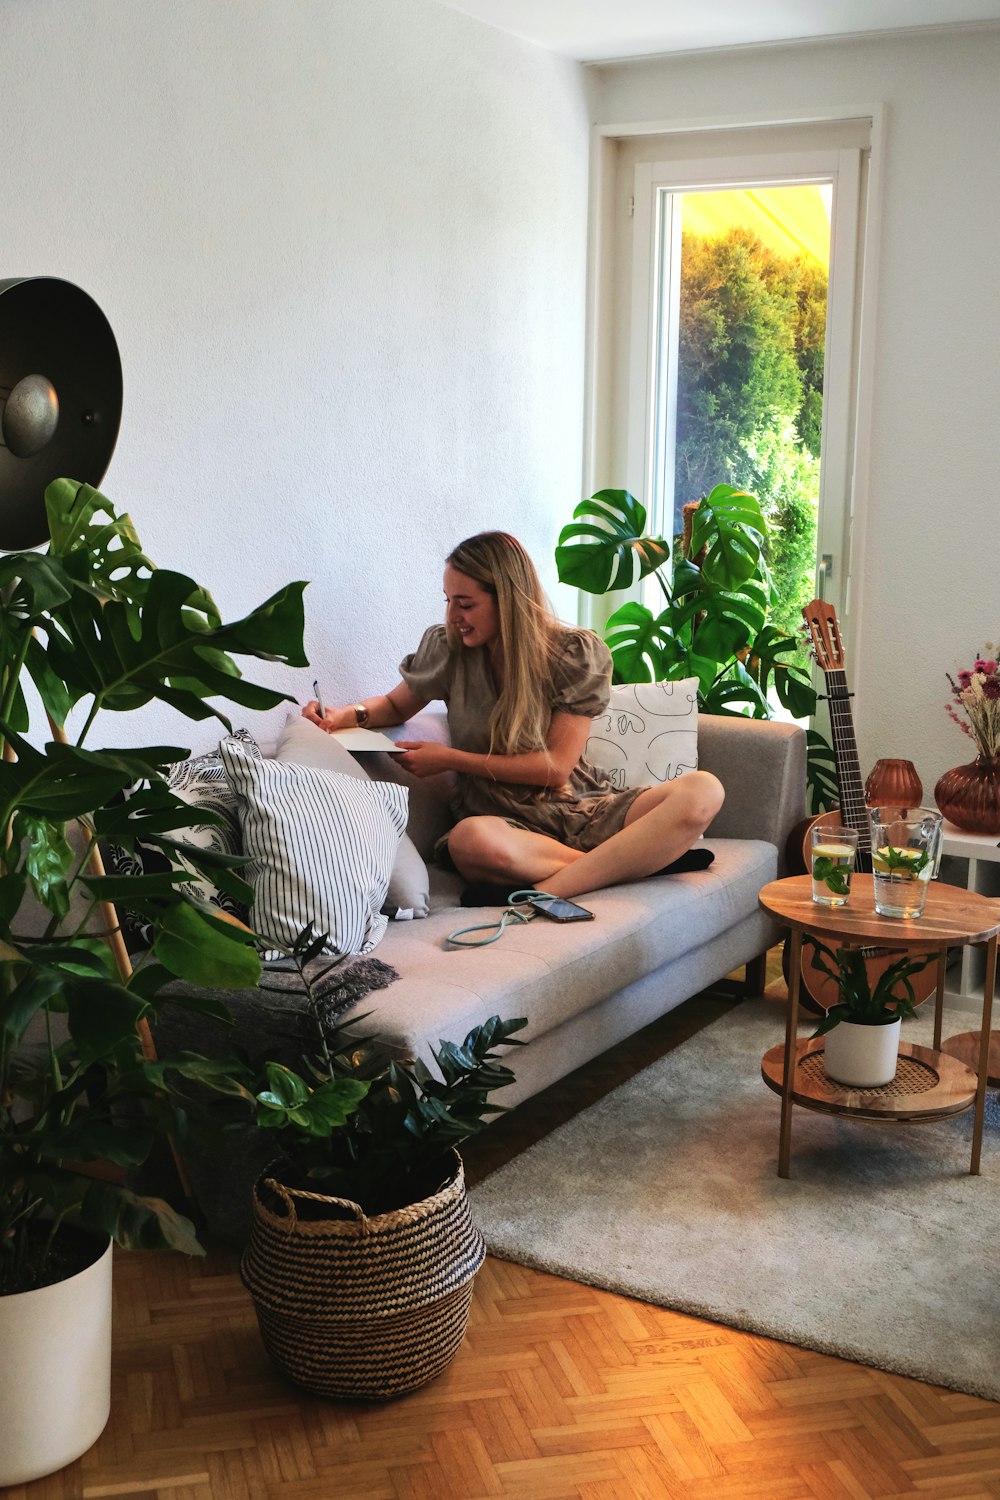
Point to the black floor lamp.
(60, 398)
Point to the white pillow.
(321, 847)
(649, 733)
(303, 744)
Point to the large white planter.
(55, 1372)
(863, 1057)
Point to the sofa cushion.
(552, 973)
(304, 744)
(321, 847)
(649, 733)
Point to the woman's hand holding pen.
(328, 718)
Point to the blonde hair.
(498, 563)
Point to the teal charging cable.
(509, 914)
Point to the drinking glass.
(906, 852)
(834, 851)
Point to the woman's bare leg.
(662, 823)
(489, 849)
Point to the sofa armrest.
(762, 765)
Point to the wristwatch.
(361, 715)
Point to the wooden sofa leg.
(756, 976)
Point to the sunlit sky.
(791, 220)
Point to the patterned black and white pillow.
(321, 847)
(200, 781)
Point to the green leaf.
(171, 652)
(27, 996)
(642, 646)
(729, 525)
(65, 781)
(209, 953)
(135, 1222)
(55, 699)
(101, 1017)
(47, 859)
(836, 877)
(99, 548)
(611, 550)
(821, 774)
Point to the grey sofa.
(653, 943)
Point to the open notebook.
(363, 739)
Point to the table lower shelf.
(966, 1048)
(928, 1085)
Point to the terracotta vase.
(969, 796)
(893, 782)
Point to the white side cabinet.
(971, 860)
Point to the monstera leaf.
(609, 550)
(729, 527)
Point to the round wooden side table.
(929, 1083)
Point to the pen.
(319, 699)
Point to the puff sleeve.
(428, 671)
(581, 677)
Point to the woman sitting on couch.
(521, 690)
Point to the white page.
(363, 739)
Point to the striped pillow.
(321, 847)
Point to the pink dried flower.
(977, 694)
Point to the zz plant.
(358, 1123)
(91, 625)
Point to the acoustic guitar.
(818, 992)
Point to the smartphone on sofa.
(558, 910)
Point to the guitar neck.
(853, 808)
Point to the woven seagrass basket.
(358, 1307)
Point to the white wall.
(930, 596)
(342, 247)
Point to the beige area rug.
(880, 1247)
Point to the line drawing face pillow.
(301, 743)
(649, 733)
(321, 847)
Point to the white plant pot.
(55, 1372)
(862, 1056)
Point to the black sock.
(481, 893)
(693, 859)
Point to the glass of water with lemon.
(834, 851)
(906, 851)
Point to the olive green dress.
(583, 813)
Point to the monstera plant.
(90, 627)
(713, 620)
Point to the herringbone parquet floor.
(560, 1392)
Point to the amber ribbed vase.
(969, 796)
(893, 782)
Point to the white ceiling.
(598, 30)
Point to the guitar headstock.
(824, 631)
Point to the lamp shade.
(60, 398)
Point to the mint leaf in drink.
(835, 877)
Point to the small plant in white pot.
(862, 1028)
